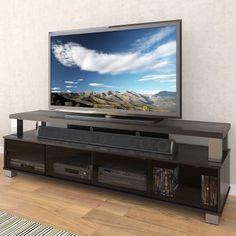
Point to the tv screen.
(132, 70)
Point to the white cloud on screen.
(145, 43)
(75, 55)
(163, 78)
(71, 86)
(71, 82)
(100, 85)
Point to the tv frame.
(120, 112)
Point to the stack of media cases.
(209, 190)
(165, 181)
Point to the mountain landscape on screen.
(163, 101)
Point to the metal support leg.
(10, 173)
(212, 219)
(19, 128)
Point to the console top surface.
(170, 126)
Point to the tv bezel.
(120, 112)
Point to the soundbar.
(106, 139)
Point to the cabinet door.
(24, 156)
(68, 163)
(120, 172)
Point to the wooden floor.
(87, 210)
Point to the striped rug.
(14, 226)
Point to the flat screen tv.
(129, 70)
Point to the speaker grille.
(123, 141)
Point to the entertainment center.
(188, 176)
(114, 96)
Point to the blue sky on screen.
(139, 60)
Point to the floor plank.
(130, 225)
(114, 231)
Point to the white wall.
(209, 51)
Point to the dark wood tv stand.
(203, 178)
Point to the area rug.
(11, 225)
